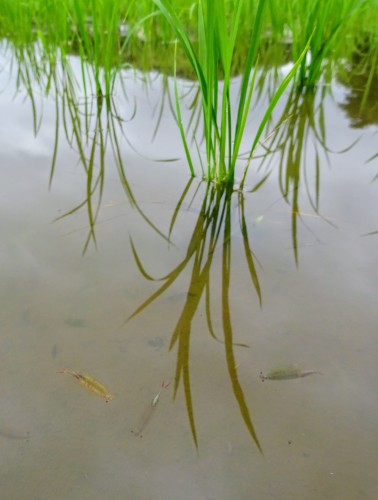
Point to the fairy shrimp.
(90, 383)
(148, 412)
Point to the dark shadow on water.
(359, 74)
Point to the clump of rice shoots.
(223, 128)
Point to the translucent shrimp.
(90, 383)
(148, 412)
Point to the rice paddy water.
(189, 193)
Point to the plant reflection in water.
(212, 230)
(92, 126)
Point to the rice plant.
(327, 22)
(212, 63)
(216, 38)
(118, 33)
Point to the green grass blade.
(180, 123)
(251, 56)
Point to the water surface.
(317, 276)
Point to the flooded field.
(175, 296)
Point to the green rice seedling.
(62, 27)
(98, 39)
(326, 21)
(122, 32)
(212, 65)
(108, 34)
(16, 21)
